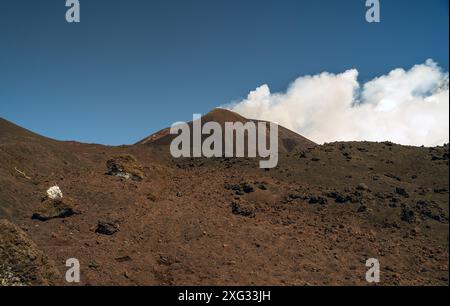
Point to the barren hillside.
(133, 215)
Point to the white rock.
(54, 193)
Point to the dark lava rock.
(408, 215)
(356, 197)
(431, 210)
(242, 209)
(317, 200)
(402, 192)
(247, 188)
(123, 259)
(295, 196)
(234, 187)
(240, 189)
(107, 228)
(262, 186)
(392, 176)
(302, 155)
(338, 197)
(54, 208)
(362, 208)
(440, 190)
(437, 157)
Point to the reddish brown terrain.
(313, 220)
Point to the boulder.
(55, 208)
(125, 166)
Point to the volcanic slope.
(313, 220)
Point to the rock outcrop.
(22, 263)
(125, 166)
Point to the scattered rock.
(123, 259)
(240, 189)
(247, 188)
(317, 200)
(347, 156)
(362, 187)
(392, 176)
(295, 196)
(338, 197)
(302, 154)
(440, 190)
(431, 210)
(402, 192)
(415, 231)
(440, 157)
(408, 215)
(262, 186)
(242, 209)
(93, 265)
(151, 197)
(107, 228)
(362, 208)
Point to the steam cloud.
(406, 107)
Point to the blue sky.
(133, 67)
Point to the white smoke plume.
(406, 107)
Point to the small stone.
(247, 188)
(262, 186)
(362, 208)
(402, 192)
(362, 186)
(107, 228)
(408, 215)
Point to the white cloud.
(407, 107)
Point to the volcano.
(288, 140)
(141, 217)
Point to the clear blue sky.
(132, 67)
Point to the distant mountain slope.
(287, 139)
(10, 131)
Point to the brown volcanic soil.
(315, 219)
